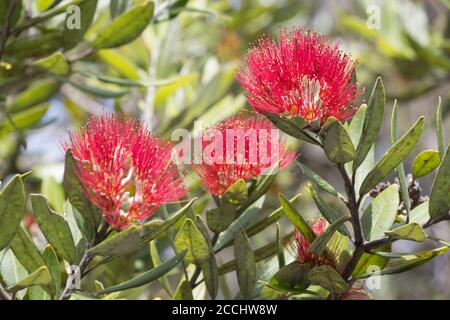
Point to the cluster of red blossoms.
(248, 146)
(126, 172)
(301, 75)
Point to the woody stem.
(353, 207)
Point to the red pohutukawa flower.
(301, 75)
(241, 147)
(300, 246)
(125, 171)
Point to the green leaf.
(319, 181)
(369, 261)
(330, 214)
(439, 205)
(237, 193)
(280, 249)
(126, 241)
(168, 223)
(291, 128)
(24, 119)
(75, 194)
(297, 220)
(97, 90)
(126, 27)
(147, 277)
(319, 245)
(184, 291)
(25, 250)
(411, 231)
(38, 92)
(12, 209)
(72, 37)
(337, 144)
(425, 162)
(393, 157)
(54, 227)
(38, 44)
(11, 270)
(328, 278)
(219, 219)
(439, 133)
(406, 262)
(245, 263)
(420, 214)
(372, 123)
(355, 128)
(40, 277)
(400, 170)
(292, 278)
(156, 261)
(191, 240)
(208, 266)
(260, 254)
(52, 263)
(270, 219)
(54, 64)
(380, 215)
(226, 238)
(54, 193)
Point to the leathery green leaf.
(237, 193)
(75, 194)
(126, 241)
(245, 263)
(296, 219)
(184, 291)
(25, 250)
(393, 157)
(293, 278)
(337, 144)
(319, 181)
(54, 227)
(404, 262)
(147, 277)
(329, 279)
(320, 243)
(372, 123)
(156, 261)
(40, 277)
(219, 219)
(208, 266)
(126, 27)
(73, 36)
(54, 64)
(380, 215)
(12, 209)
(191, 240)
(411, 231)
(439, 204)
(425, 162)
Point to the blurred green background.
(186, 60)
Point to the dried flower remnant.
(125, 171)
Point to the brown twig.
(353, 207)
